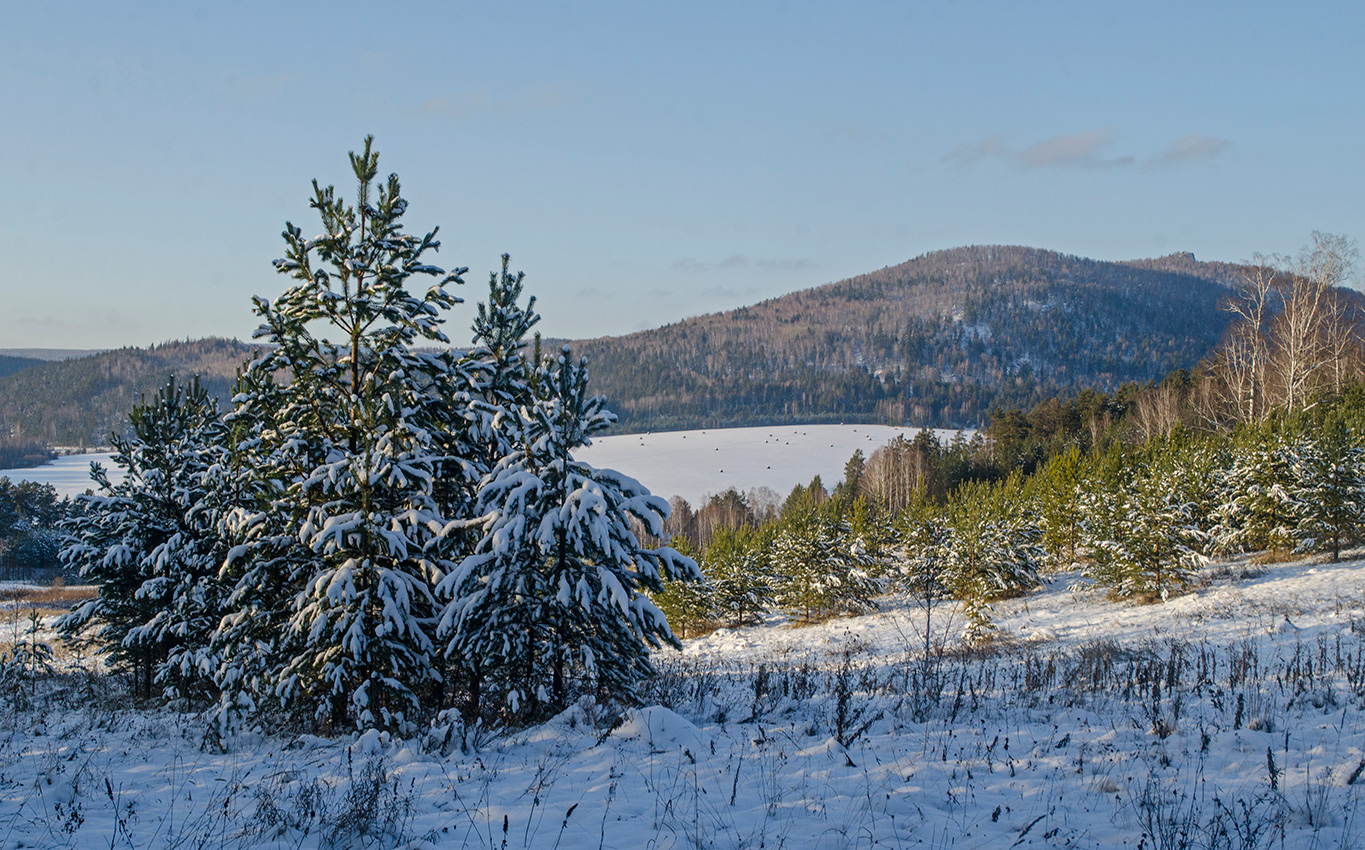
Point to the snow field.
(698, 464)
(1230, 717)
(692, 464)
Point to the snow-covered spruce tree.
(332, 610)
(151, 545)
(552, 601)
(1329, 475)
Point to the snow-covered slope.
(1231, 717)
(696, 464)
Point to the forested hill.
(77, 402)
(9, 364)
(939, 340)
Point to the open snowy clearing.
(1230, 717)
(698, 464)
(691, 464)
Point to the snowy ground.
(697, 464)
(1233, 717)
(691, 464)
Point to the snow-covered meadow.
(1230, 717)
(691, 464)
(701, 463)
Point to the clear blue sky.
(643, 162)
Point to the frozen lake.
(70, 474)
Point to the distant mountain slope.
(10, 364)
(45, 354)
(939, 340)
(77, 402)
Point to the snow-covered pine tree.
(1148, 543)
(689, 604)
(1260, 511)
(1329, 485)
(489, 388)
(819, 568)
(333, 610)
(552, 601)
(921, 541)
(151, 545)
(735, 561)
(1057, 491)
(991, 549)
(921, 537)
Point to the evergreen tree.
(735, 561)
(151, 545)
(991, 549)
(1260, 511)
(332, 609)
(1056, 489)
(922, 540)
(820, 568)
(688, 604)
(1329, 470)
(552, 600)
(1145, 541)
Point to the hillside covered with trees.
(79, 402)
(940, 340)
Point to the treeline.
(81, 401)
(941, 341)
(18, 453)
(9, 364)
(1135, 489)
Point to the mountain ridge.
(939, 340)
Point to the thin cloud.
(786, 265)
(1194, 148)
(991, 147)
(1074, 150)
(478, 103)
(1069, 150)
